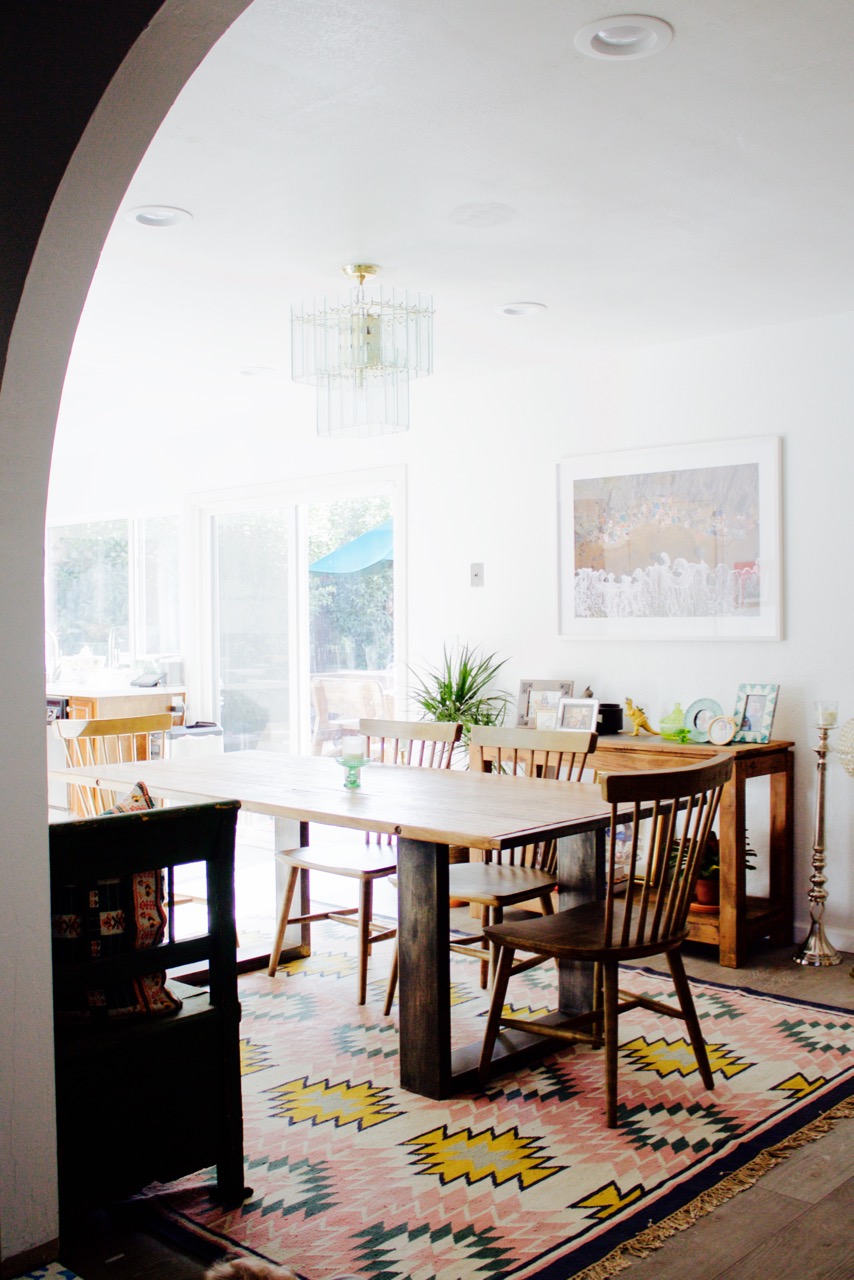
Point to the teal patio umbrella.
(368, 551)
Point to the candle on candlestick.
(826, 713)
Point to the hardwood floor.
(795, 1223)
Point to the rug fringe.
(646, 1242)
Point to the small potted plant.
(460, 689)
(707, 885)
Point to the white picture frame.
(580, 714)
(675, 542)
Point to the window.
(112, 594)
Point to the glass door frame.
(294, 497)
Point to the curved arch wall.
(81, 106)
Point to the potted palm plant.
(461, 688)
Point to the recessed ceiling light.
(256, 371)
(158, 215)
(522, 308)
(627, 35)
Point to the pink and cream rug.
(351, 1174)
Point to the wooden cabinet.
(89, 702)
(739, 918)
(129, 700)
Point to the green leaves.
(458, 689)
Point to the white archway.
(120, 129)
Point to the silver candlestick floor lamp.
(817, 949)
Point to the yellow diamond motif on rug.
(343, 1103)
(254, 1057)
(665, 1057)
(528, 1012)
(799, 1086)
(500, 1157)
(608, 1200)
(327, 964)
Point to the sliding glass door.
(303, 613)
(252, 633)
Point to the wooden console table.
(739, 918)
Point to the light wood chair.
(108, 741)
(418, 744)
(339, 702)
(644, 914)
(515, 876)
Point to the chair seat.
(575, 934)
(493, 885)
(358, 862)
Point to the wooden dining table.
(427, 810)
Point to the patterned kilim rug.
(352, 1174)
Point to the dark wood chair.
(524, 875)
(144, 1097)
(644, 913)
(424, 744)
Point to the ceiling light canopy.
(159, 215)
(627, 35)
(522, 308)
(360, 352)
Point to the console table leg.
(732, 939)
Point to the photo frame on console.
(539, 700)
(578, 713)
(754, 712)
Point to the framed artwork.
(754, 712)
(578, 713)
(539, 701)
(680, 542)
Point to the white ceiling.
(468, 148)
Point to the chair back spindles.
(420, 743)
(115, 740)
(559, 754)
(548, 753)
(647, 900)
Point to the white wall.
(502, 439)
(481, 479)
(80, 217)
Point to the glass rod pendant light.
(359, 352)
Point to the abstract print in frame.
(679, 542)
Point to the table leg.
(581, 872)
(424, 983)
(291, 834)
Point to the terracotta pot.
(707, 892)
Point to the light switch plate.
(477, 575)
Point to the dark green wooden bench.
(147, 1098)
